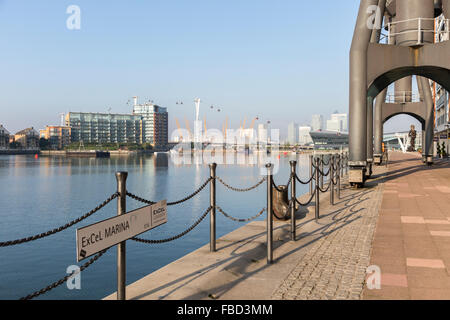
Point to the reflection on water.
(44, 193)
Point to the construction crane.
(226, 129)
(253, 123)
(179, 129)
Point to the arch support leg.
(378, 128)
(358, 95)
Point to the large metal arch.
(435, 73)
(415, 116)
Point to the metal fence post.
(121, 178)
(346, 163)
(269, 214)
(339, 161)
(212, 197)
(293, 198)
(331, 179)
(311, 164)
(317, 188)
(321, 169)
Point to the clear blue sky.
(280, 60)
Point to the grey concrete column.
(370, 131)
(375, 38)
(378, 126)
(358, 86)
(429, 121)
(403, 90)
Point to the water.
(41, 194)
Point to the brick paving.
(335, 265)
(412, 239)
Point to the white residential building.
(304, 136)
(262, 133)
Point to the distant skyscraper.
(304, 135)
(338, 123)
(293, 133)
(317, 122)
(343, 119)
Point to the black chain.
(240, 220)
(137, 198)
(243, 189)
(335, 182)
(276, 187)
(307, 202)
(321, 173)
(177, 236)
(61, 281)
(306, 182)
(56, 230)
(190, 196)
(326, 190)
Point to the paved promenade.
(412, 238)
(399, 222)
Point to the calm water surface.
(41, 194)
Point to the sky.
(280, 61)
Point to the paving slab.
(417, 262)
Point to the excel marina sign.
(107, 233)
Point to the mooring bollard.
(121, 178)
(212, 199)
(269, 214)
(332, 179)
(293, 198)
(339, 161)
(317, 188)
(311, 164)
(321, 169)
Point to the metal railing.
(442, 31)
(403, 97)
(337, 167)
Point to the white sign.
(107, 233)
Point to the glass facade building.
(104, 127)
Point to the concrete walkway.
(412, 238)
(328, 260)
